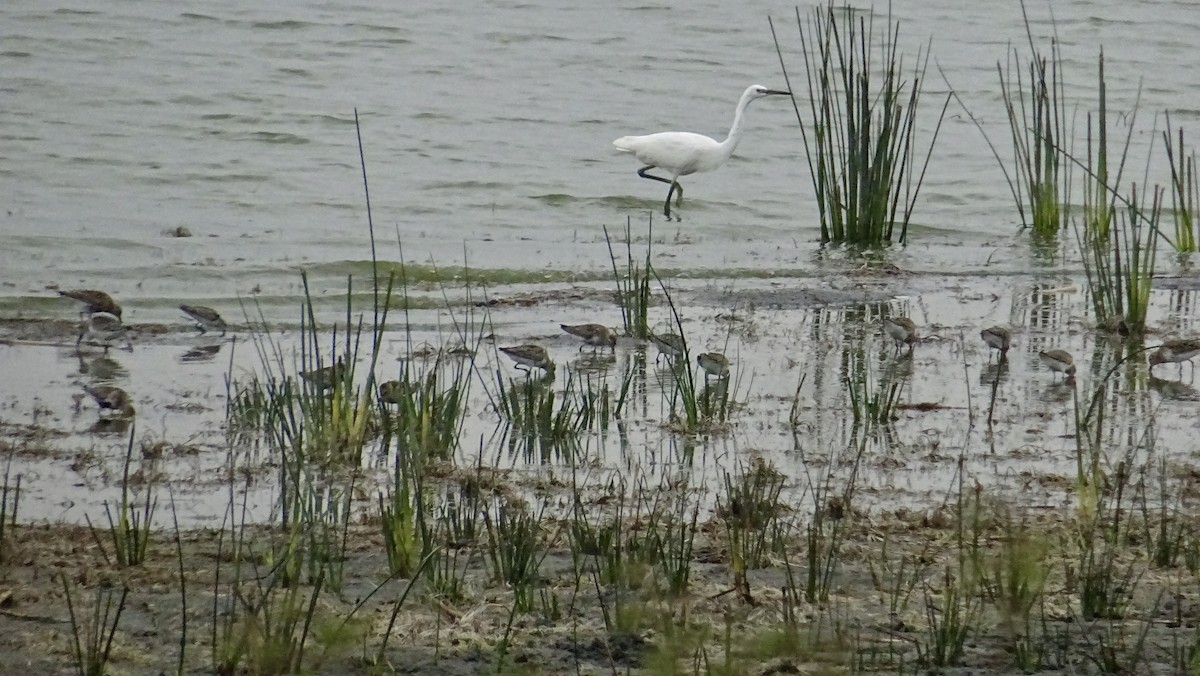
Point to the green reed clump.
(1013, 579)
(1119, 246)
(457, 529)
(1099, 199)
(1101, 576)
(129, 528)
(951, 615)
(1036, 112)
(536, 410)
(827, 522)
(320, 424)
(860, 138)
(873, 399)
(1165, 528)
(750, 510)
(1035, 107)
(697, 403)
(402, 517)
(514, 550)
(1185, 190)
(658, 549)
(633, 288)
(263, 616)
(1119, 261)
(91, 643)
(425, 411)
(247, 406)
(266, 630)
(601, 541)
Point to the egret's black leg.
(678, 194)
(643, 174)
(667, 204)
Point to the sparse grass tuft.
(92, 642)
(750, 510)
(1119, 248)
(515, 550)
(129, 529)
(633, 289)
(1185, 190)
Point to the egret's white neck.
(735, 132)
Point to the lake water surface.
(487, 130)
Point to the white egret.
(682, 153)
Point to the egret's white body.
(683, 153)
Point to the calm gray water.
(487, 129)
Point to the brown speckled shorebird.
(326, 377)
(1059, 361)
(93, 301)
(714, 364)
(902, 330)
(593, 335)
(103, 328)
(205, 317)
(997, 338)
(391, 392)
(669, 344)
(1177, 350)
(112, 400)
(529, 357)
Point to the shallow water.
(487, 138)
(487, 134)
(777, 333)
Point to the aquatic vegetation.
(1119, 261)
(633, 288)
(92, 642)
(1035, 105)
(1185, 190)
(860, 136)
(1119, 247)
(750, 510)
(130, 527)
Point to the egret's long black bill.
(778, 92)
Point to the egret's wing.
(672, 150)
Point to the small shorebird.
(1059, 361)
(103, 328)
(327, 376)
(714, 364)
(391, 391)
(112, 399)
(205, 317)
(594, 335)
(93, 301)
(529, 357)
(670, 344)
(1176, 350)
(997, 338)
(902, 330)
